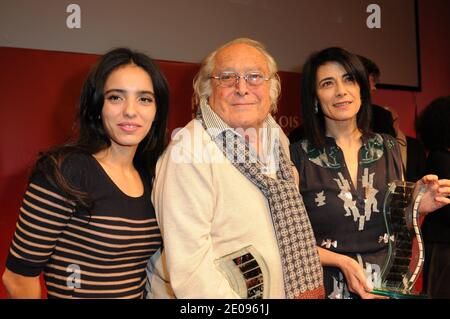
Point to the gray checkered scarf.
(302, 271)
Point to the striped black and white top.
(97, 254)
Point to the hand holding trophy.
(404, 261)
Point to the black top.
(345, 219)
(382, 121)
(100, 254)
(297, 134)
(415, 159)
(436, 227)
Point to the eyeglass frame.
(239, 77)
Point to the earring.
(99, 117)
(316, 107)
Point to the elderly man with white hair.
(232, 219)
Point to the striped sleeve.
(43, 215)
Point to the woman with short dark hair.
(344, 173)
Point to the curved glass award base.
(406, 252)
(398, 295)
(246, 273)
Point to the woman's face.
(129, 107)
(338, 92)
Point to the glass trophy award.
(246, 272)
(406, 250)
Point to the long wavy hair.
(92, 136)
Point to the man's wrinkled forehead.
(240, 57)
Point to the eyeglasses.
(228, 79)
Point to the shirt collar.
(371, 150)
(215, 126)
(365, 139)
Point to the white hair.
(202, 81)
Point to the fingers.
(444, 182)
(373, 296)
(356, 287)
(443, 200)
(443, 192)
(356, 278)
(366, 295)
(367, 284)
(364, 292)
(429, 178)
(361, 284)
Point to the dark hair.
(92, 136)
(433, 124)
(370, 67)
(382, 121)
(315, 123)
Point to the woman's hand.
(356, 278)
(355, 275)
(436, 193)
(21, 287)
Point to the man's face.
(241, 105)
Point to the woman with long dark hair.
(344, 172)
(86, 220)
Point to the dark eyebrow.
(125, 91)
(326, 79)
